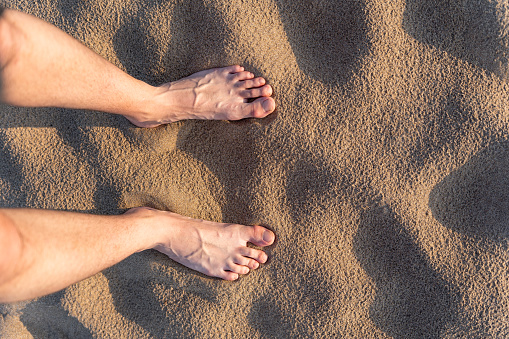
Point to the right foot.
(215, 94)
(215, 249)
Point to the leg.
(44, 251)
(42, 66)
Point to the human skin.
(43, 66)
(44, 251)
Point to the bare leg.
(42, 66)
(44, 251)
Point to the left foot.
(215, 94)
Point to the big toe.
(260, 236)
(262, 107)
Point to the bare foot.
(214, 94)
(215, 249)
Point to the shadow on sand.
(474, 199)
(472, 30)
(327, 37)
(412, 300)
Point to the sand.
(384, 171)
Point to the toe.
(239, 269)
(265, 91)
(261, 236)
(248, 262)
(233, 69)
(229, 276)
(255, 254)
(244, 75)
(252, 83)
(260, 108)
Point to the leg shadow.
(412, 300)
(473, 30)
(11, 172)
(46, 318)
(474, 199)
(157, 299)
(327, 37)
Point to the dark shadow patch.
(11, 172)
(193, 45)
(134, 51)
(46, 318)
(135, 300)
(70, 9)
(327, 37)
(269, 320)
(315, 295)
(412, 300)
(474, 199)
(311, 186)
(311, 297)
(439, 129)
(472, 30)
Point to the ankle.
(146, 226)
(157, 108)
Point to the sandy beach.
(384, 171)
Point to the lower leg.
(40, 65)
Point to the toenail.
(268, 236)
(267, 105)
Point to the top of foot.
(215, 249)
(228, 93)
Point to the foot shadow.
(327, 37)
(472, 30)
(474, 199)
(412, 300)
